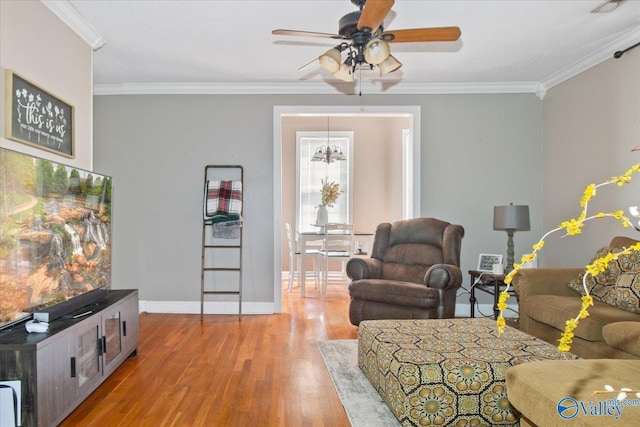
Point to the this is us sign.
(38, 118)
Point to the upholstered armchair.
(413, 273)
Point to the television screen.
(55, 234)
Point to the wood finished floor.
(263, 371)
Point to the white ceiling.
(226, 46)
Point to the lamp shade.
(337, 154)
(344, 73)
(330, 60)
(389, 65)
(376, 51)
(319, 155)
(511, 217)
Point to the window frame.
(333, 138)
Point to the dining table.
(310, 239)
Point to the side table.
(489, 283)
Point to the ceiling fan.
(367, 43)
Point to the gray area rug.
(363, 404)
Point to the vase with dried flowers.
(330, 191)
(574, 227)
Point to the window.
(310, 175)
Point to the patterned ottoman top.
(435, 340)
(446, 371)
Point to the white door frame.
(297, 110)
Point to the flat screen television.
(55, 234)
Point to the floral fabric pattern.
(446, 371)
(602, 287)
(626, 295)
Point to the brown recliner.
(413, 273)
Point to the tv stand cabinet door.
(130, 324)
(56, 390)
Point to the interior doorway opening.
(408, 149)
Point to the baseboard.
(210, 307)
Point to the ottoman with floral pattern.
(446, 371)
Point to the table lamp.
(511, 219)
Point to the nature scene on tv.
(55, 229)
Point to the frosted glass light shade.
(344, 73)
(389, 65)
(330, 60)
(376, 51)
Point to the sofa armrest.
(364, 268)
(544, 281)
(443, 276)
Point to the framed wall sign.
(486, 261)
(38, 118)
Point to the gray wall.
(155, 147)
(591, 122)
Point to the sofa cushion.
(626, 294)
(555, 310)
(602, 286)
(624, 336)
(537, 388)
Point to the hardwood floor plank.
(263, 371)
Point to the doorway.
(413, 177)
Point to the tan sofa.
(560, 392)
(546, 303)
(546, 392)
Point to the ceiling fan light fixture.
(376, 51)
(389, 65)
(330, 60)
(344, 73)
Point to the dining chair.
(337, 244)
(294, 259)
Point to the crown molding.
(321, 88)
(70, 16)
(592, 60)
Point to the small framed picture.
(486, 261)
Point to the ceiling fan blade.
(373, 14)
(305, 66)
(297, 33)
(438, 34)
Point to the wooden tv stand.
(58, 369)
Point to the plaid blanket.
(222, 198)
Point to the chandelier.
(328, 154)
